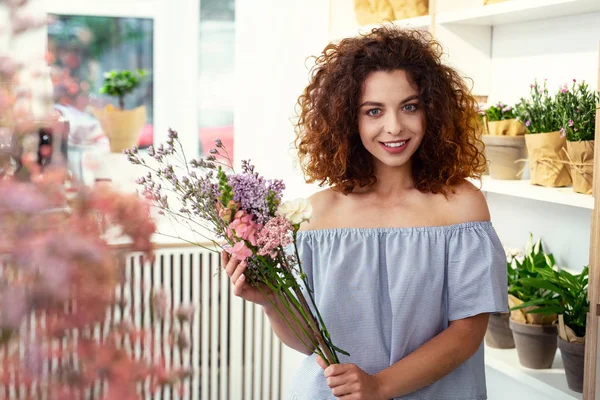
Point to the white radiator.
(234, 353)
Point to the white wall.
(273, 39)
(558, 49)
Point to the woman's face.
(391, 120)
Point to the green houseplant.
(576, 107)
(122, 127)
(569, 299)
(547, 159)
(504, 143)
(533, 324)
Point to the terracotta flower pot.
(503, 154)
(536, 344)
(573, 355)
(498, 334)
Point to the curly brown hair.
(328, 142)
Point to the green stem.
(334, 355)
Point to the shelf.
(524, 189)
(513, 11)
(552, 382)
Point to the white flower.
(296, 211)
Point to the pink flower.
(275, 233)
(243, 227)
(571, 122)
(241, 251)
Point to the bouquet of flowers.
(242, 213)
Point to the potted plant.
(498, 334)
(570, 302)
(122, 127)
(504, 143)
(577, 109)
(547, 160)
(532, 323)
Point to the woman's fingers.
(238, 287)
(230, 263)
(238, 271)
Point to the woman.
(401, 254)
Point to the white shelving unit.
(514, 11)
(548, 382)
(524, 189)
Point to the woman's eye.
(374, 112)
(410, 107)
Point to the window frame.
(175, 99)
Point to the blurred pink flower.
(185, 313)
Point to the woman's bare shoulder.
(466, 203)
(322, 203)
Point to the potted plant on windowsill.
(122, 127)
(504, 143)
(570, 302)
(532, 321)
(548, 162)
(577, 108)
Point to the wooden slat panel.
(591, 344)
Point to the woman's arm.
(265, 298)
(284, 332)
(432, 361)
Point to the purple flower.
(214, 151)
(571, 122)
(218, 143)
(564, 90)
(251, 191)
(527, 123)
(277, 187)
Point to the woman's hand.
(235, 270)
(349, 382)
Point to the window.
(80, 50)
(216, 80)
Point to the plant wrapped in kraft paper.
(577, 109)
(548, 161)
(243, 214)
(501, 120)
(122, 127)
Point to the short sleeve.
(476, 272)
